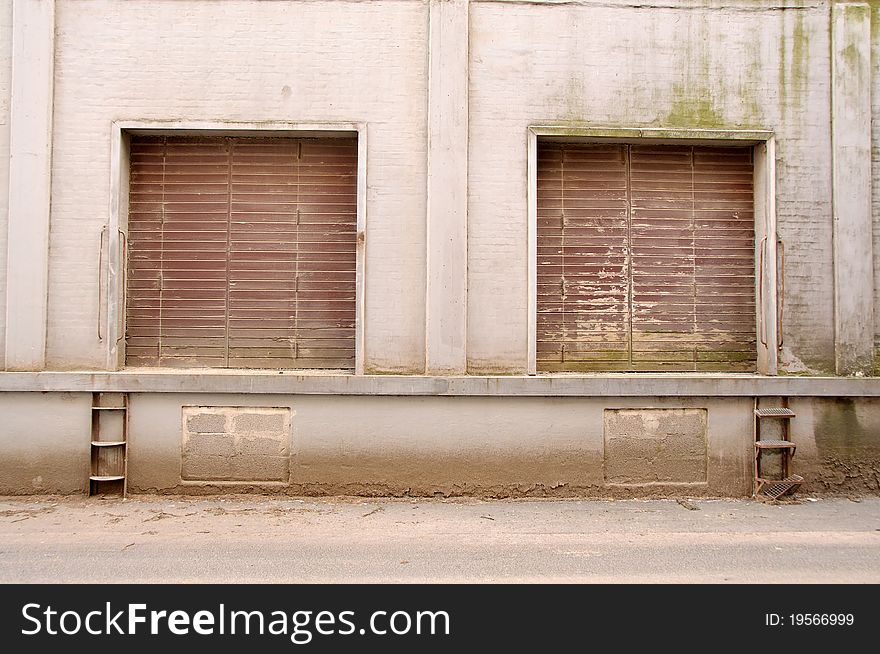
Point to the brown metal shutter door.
(583, 272)
(223, 249)
(645, 258)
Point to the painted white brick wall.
(240, 60)
(684, 64)
(681, 65)
(5, 85)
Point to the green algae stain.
(794, 60)
(693, 110)
(800, 47)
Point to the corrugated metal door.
(645, 258)
(242, 252)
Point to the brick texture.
(686, 65)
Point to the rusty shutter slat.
(682, 269)
(242, 252)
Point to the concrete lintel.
(30, 153)
(238, 128)
(851, 187)
(446, 293)
(562, 131)
(297, 383)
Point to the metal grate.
(774, 412)
(776, 489)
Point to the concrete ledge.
(299, 383)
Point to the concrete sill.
(306, 383)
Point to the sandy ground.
(271, 539)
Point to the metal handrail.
(100, 270)
(780, 303)
(762, 330)
(123, 266)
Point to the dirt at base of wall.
(561, 491)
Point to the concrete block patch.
(645, 446)
(205, 423)
(250, 421)
(247, 444)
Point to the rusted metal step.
(776, 488)
(775, 412)
(775, 444)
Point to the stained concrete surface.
(260, 539)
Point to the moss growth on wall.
(793, 70)
(800, 48)
(695, 109)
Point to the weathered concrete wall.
(851, 177)
(30, 180)
(687, 63)
(452, 446)
(447, 192)
(5, 89)
(415, 445)
(44, 440)
(846, 458)
(321, 61)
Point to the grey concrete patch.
(655, 445)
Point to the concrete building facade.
(455, 384)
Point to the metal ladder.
(775, 488)
(109, 444)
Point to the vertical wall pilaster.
(446, 297)
(30, 148)
(851, 180)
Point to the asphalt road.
(260, 539)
